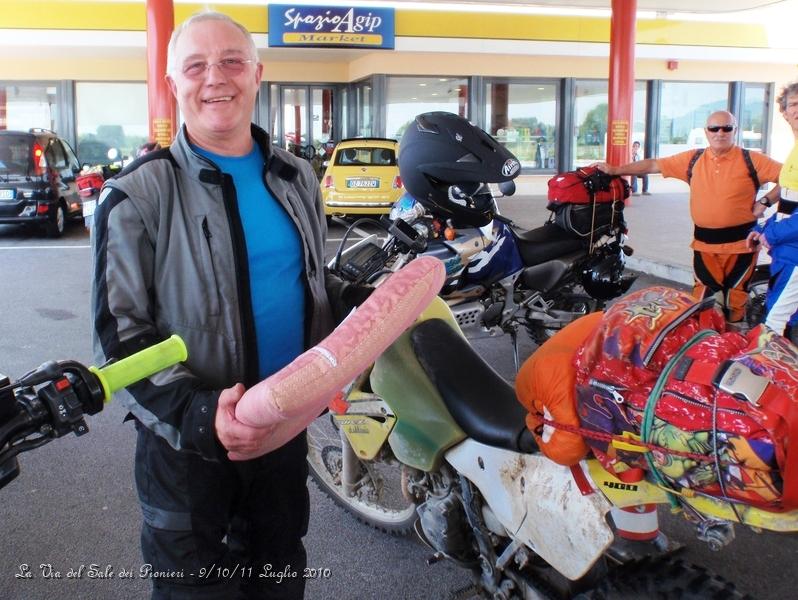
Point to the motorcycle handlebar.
(31, 416)
(120, 374)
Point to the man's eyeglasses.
(723, 128)
(228, 66)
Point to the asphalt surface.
(74, 505)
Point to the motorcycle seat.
(545, 243)
(482, 403)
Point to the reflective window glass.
(70, 155)
(344, 131)
(322, 111)
(365, 117)
(756, 99)
(55, 155)
(591, 110)
(25, 106)
(111, 121)
(523, 117)
(274, 107)
(410, 96)
(294, 120)
(685, 107)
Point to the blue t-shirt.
(276, 262)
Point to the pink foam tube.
(291, 398)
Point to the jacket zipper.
(619, 399)
(206, 231)
(250, 349)
(611, 389)
(693, 402)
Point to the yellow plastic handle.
(142, 364)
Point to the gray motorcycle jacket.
(170, 257)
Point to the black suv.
(37, 180)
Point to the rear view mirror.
(507, 188)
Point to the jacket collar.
(199, 167)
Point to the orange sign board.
(162, 131)
(619, 133)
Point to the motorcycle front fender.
(539, 503)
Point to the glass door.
(294, 102)
(307, 122)
(322, 116)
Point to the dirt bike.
(52, 400)
(500, 278)
(432, 440)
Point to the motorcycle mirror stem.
(507, 188)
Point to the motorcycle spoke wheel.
(378, 499)
(755, 309)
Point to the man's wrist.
(765, 201)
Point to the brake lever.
(47, 371)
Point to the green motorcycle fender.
(424, 430)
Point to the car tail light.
(328, 182)
(42, 208)
(38, 159)
(397, 182)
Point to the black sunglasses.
(724, 128)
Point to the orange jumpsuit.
(721, 201)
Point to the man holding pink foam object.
(220, 239)
(291, 398)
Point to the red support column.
(160, 102)
(622, 80)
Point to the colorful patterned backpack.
(715, 410)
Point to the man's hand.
(605, 168)
(243, 442)
(759, 209)
(756, 240)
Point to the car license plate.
(363, 183)
(7, 194)
(88, 207)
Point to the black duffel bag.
(584, 219)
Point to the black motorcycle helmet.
(445, 163)
(603, 277)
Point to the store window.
(344, 113)
(591, 111)
(754, 115)
(295, 126)
(411, 96)
(684, 111)
(111, 120)
(25, 106)
(274, 107)
(363, 108)
(523, 117)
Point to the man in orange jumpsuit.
(722, 205)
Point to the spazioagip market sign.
(343, 26)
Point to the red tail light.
(38, 159)
(42, 209)
(328, 181)
(397, 182)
